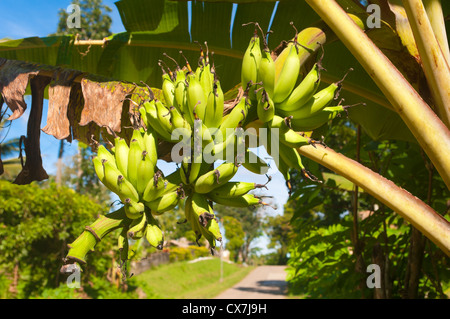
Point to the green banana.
(154, 233)
(215, 106)
(317, 120)
(134, 158)
(234, 189)
(192, 219)
(146, 170)
(133, 209)
(303, 92)
(215, 178)
(266, 71)
(265, 107)
(250, 65)
(137, 228)
(180, 92)
(196, 97)
(235, 118)
(164, 116)
(287, 78)
(117, 183)
(284, 170)
(153, 187)
(98, 167)
(104, 153)
(151, 115)
(151, 145)
(168, 88)
(291, 157)
(245, 200)
(286, 135)
(318, 102)
(121, 155)
(164, 203)
(202, 211)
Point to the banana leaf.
(112, 67)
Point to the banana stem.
(412, 209)
(436, 17)
(434, 64)
(95, 233)
(428, 129)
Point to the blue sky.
(22, 19)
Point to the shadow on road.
(273, 287)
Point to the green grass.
(183, 280)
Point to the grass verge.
(198, 280)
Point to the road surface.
(264, 282)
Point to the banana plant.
(400, 70)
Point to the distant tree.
(251, 221)
(95, 21)
(234, 235)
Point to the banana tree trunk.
(430, 132)
(412, 209)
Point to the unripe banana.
(287, 78)
(291, 157)
(121, 155)
(245, 200)
(153, 187)
(179, 122)
(250, 65)
(284, 170)
(192, 219)
(117, 183)
(153, 122)
(286, 135)
(168, 88)
(233, 189)
(235, 118)
(146, 170)
(266, 71)
(133, 209)
(154, 233)
(164, 203)
(318, 102)
(164, 116)
(215, 106)
(303, 92)
(137, 228)
(151, 145)
(104, 153)
(213, 179)
(134, 158)
(265, 108)
(205, 214)
(180, 92)
(316, 120)
(196, 97)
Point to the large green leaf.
(156, 27)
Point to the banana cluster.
(285, 101)
(130, 171)
(191, 111)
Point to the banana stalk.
(434, 65)
(412, 209)
(430, 132)
(94, 233)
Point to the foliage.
(36, 224)
(251, 223)
(188, 253)
(279, 232)
(235, 236)
(331, 249)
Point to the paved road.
(264, 282)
